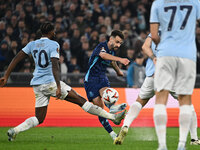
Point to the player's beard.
(116, 48)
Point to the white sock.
(113, 134)
(193, 125)
(160, 121)
(133, 112)
(27, 124)
(184, 123)
(96, 110)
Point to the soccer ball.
(110, 96)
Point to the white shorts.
(175, 74)
(43, 92)
(147, 90)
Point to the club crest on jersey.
(103, 49)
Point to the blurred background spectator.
(80, 25)
(136, 72)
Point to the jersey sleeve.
(55, 50)
(100, 48)
(154, 13)
(198, 9)
(27, 48)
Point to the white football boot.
(11, 134)
(117, 108)
(119, 117)
(195, 142)
(120, 137)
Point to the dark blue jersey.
(97, 66)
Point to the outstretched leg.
(97, 101)
(40, 114)
(133, 112)
(75, 98)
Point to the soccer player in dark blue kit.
(96, 80)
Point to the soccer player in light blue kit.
(46, 82)
(147, 92)
(176, 62)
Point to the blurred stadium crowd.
(80, 25)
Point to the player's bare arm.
(56, 74)
(154, 32)
(146, 48)
(21, 55)
(116, 68)
(107, 56)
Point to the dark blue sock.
(105, 124)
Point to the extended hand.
(58, 93)
(124, 61)
(3, 81)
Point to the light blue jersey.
(42, 51)
(150, 67)
(177, 19)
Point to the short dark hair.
(47, 27)
(117, 33)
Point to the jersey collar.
(44, 38)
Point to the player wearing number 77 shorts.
(46, 82)
(146, 93)
(176, 62)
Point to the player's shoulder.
(158, 2)
(53, 43)
(102, 45)
(196, 2)
(31, 43)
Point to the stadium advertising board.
(17, 104)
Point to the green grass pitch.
(71, 138)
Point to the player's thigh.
(103, 84)
(165, 73)
(41, 99)
(186, 76)
(93, 86)
(75, 98)
(147, 89)
(98, 101)
(101, 90)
